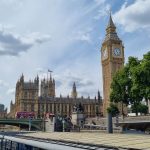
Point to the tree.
(145, 76)
(113, 109)
(140, 76)
(132, 83)
(141, 108)
(135, 75)
(119, 87)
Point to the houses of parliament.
(29, 97)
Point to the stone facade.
(3, 111)
(27, 98)
(112, 58)
(48, 87)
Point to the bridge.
(138, 125)
(37, 124)
(137, 122)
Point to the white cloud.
(36, 37)
(81, 36)
(13, 44)
(3, 84)
(84, 35)
(11, 91)
(40, 70)
(99, 2)
(103, 11)
(134, 16)
(33, 24)
(64, 83)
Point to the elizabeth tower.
(112, 57)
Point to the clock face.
(117, 52)
(105, 53)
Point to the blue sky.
(65, 36)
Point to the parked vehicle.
(25, 114)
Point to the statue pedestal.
(50, 124)
(77, 118)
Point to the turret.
(99, 97)
(50, 77)
(36, 80)
(48, 87)
(74, 91)
(22, 78)
(53, 82)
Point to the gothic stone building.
(27, 98)
(3, 111)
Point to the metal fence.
(15, 143)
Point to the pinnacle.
(74, 84)
(111, 23)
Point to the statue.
(74, 108)
(78, 108)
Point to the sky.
(65, 36)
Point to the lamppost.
(43, 109)
(29, 124)
(126, 94)
(122, 110)
(63, 122)
(125, 97)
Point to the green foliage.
(118, 86)
(145, 76)
(132, 83)
(141, 108)
(113, 109)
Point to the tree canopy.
(131, 84)
(113, 109)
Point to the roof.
(111, 23)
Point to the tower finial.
(110, 11)
(22, 78)
(111, 33)
(74, 85)
(110, 22)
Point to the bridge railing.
(99, 127)
(134, 118)
(13, 143)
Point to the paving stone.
(115, 140)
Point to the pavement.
(122, 141)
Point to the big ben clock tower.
(112, 57)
